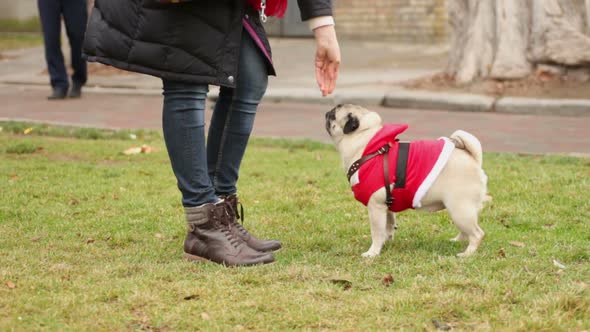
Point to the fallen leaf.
(89, 240)
(27, 131)
(205, 316)
(159, 236)
(36, 239)
(192, 297)
(501, 253)
(10, 284)
(517, 244)
(440, 325)
(74, 201)
(13, 177)
(132, 150)
(559, 264)
(140, 149)
(148, 149)
(387, 280)
(549, 226)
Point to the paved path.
(498, 132)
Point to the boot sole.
(194, 258)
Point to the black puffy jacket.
(196, 42)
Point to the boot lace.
(226, 227)
(237, 218)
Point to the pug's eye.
(352, 124)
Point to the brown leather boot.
(251, 240)
(211, 237)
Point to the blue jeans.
(207, 169)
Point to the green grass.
(16, 34)
(32, 24)
(12, 41)
(91, 239)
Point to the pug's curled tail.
(466, 141)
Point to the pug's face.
(348, 120)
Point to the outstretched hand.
(327, 58)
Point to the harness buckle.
(384, 149)
(389, 201)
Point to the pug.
(390, 176)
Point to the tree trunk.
(507, 39)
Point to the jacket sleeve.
(314, 8)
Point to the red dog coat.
(426, 159)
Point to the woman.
(190, 46)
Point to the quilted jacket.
(196, 42)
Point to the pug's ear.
(352, 124)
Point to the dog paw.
(370, 254)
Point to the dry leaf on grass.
(502, 253)
(559, 264)
(205, 316)
(27, 131)
(192, 297)
(89, 240)
(10, 285)
(387, 280)
(140, 149)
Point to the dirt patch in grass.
(538, 85)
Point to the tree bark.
(507, 39)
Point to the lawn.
(91, 239)
(16, 34)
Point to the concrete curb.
(438, 101)
(565, 107)
(479, 103)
